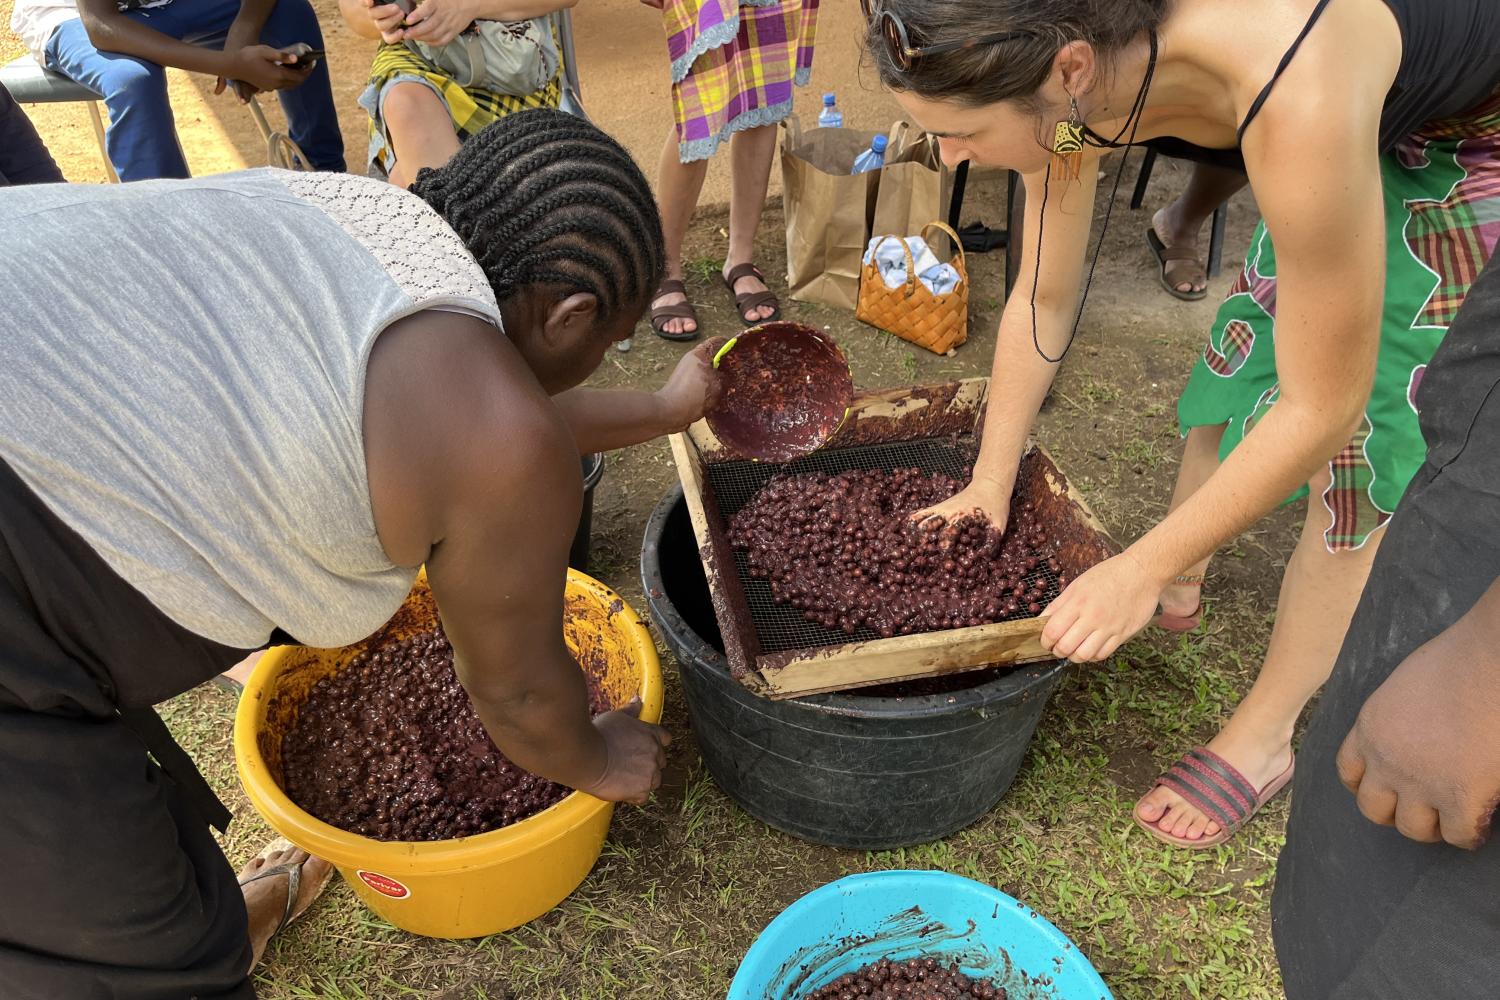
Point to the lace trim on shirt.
(422, 255)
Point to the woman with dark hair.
(1370, 132)
(322, 383)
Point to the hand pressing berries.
(855, 561)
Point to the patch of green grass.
(909, 368)
(1141, 454)
(703, 270)
(1097, 392)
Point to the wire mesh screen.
(781, 627)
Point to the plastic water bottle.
(872, 158)
(831, 117)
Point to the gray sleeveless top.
(182, 368)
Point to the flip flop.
(1213, 785)
(751, 300)
(1177, 255)
(293, 872)
(661, 315)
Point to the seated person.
(23, 156)
(119, 50)
(418, 112)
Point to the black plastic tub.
(578, 554)
(881, 769)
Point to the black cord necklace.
(1132, 122)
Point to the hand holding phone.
(307, 56)
(389, 18)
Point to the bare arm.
(520, 10)
(250, 21)
(498, 574)
(1324, 208)
(1325, 211)
(111, 31)
(606, 419)
(473, 471)
(372, 20)
(260, 65)
(1021, 377)
(438, 22)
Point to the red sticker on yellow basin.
(383, 884)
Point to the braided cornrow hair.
(544, 198)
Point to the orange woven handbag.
(911, 312)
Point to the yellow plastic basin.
(471, 886)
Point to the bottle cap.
(828, 100)
(878, 143)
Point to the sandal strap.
(741, 271)
(1213, 785)
(1176, 254)
(682, 310)
(754, 300)
(670, 286)
(1189, 580)
(293, 872)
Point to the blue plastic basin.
(861, 919)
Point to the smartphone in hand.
(307, 56)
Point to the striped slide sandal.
(1212, 785)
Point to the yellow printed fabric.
(470, 109)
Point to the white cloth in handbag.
(514, 58)
(889, 259)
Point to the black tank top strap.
(1280, 69)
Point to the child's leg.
(420, 129)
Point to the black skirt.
(1360, 912)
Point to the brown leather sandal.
(1195, 274)
(661, 315)
(751, 300)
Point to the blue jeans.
(142, 140)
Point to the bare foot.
(1179, 233)
(265, 898)
(749, 285)
(1259, 760)
(678, 324)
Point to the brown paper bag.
(915, 187)
(827, 211)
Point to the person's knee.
(135, 83)
(408, 107)
(407, 104)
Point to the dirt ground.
(687, 882)
(623, 77)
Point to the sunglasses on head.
(905, 55)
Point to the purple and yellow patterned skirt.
(1442, 211)
(734, 65)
